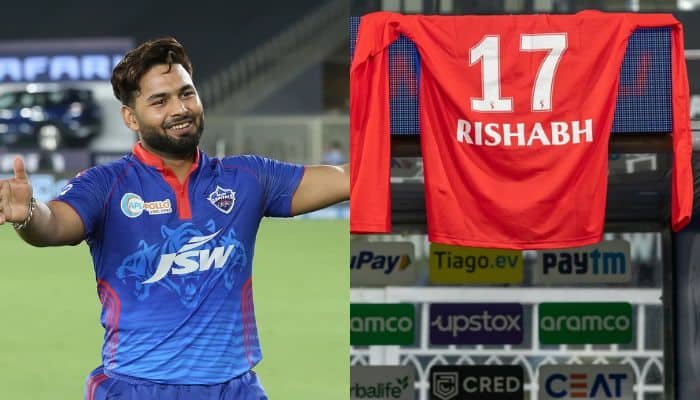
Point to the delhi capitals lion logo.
(222, 199)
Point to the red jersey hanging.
(516, 114)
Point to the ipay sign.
(381, 263)
(60, 61)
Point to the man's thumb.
(20, 172)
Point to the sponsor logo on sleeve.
(382, 383)
(498, 323)
(605, 262)
(460, 265)
(382, 324)
(381, 263)
(66, 189)
(476, 382)
(587, 382)
(585, 323)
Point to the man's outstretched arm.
(51, 224)
(321, 186)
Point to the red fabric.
(519, 196)
(181, 190)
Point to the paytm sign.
(605, 262)
(63, 60)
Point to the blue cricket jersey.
(173, 261)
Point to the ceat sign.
(590, 382)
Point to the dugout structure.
(637, 211)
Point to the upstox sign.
(586, 382)
(476, 323)
(585, 323)
(382, 324)
(463, 265)
(381, 263)
(382, 383)
(605, 262)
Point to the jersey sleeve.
(370, 143)
(86, 194)
(279, 181)
(682, 183)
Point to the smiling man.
(172, 233)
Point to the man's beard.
(158, 139)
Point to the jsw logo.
(188, 260)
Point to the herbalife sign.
(382, 324)
(382, 383)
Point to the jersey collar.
(181, 190)
(153, 160)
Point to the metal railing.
(646, 360)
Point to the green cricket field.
(50, 334)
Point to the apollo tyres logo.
(382, 324)
(498, 323)
(587, 382)
(476, 382)
(382, 383)
(459, 265)
(133, 206)
(605, 262)
(381, 263)
(585, 323)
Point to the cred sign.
(476, 382)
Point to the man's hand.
(15, 194)
(321, 186)
(51, 225)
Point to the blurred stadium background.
(273, 79)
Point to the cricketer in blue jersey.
(172, 236)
